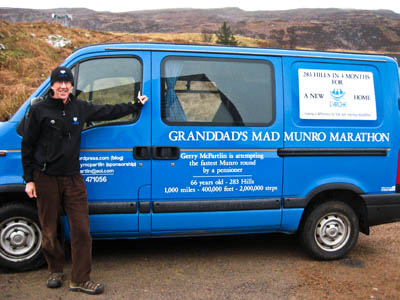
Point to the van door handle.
(141, 152)
(165, 152)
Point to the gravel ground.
(235, 267)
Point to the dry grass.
(28, 59)
(24, 64)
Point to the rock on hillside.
(356, 30)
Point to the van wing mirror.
(21, 124)
(36, 100)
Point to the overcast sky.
(250, 5)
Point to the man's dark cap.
(61, 74)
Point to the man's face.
(61, 89)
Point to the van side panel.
(212, 175)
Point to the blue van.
(234, 140)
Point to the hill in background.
(321, 29)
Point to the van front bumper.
(382, 208)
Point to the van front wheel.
(20, 237)
(330, 230)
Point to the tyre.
(330, 230)
(20, 237)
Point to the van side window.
(219, 92)
(109, 81)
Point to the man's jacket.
(52, 133)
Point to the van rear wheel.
(20, 237)
(330, 230)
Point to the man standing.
(50, 158)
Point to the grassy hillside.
(28, 59)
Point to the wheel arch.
(347, 193)
(15, 193)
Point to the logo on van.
(337, 95)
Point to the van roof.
(228, 50)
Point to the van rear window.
(219, 92)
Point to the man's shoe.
(55, 280)
(88, 287)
